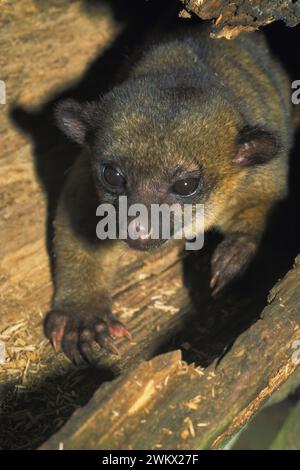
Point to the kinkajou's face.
(147, 157)
(170, 146)
(174, 187)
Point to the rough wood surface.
(231, 18)
(168, 404)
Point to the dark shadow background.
(212, 325)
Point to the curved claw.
(231, 259)
(106, 342)
(86, 338)
(70, 346)
(118, 330)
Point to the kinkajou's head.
(160, 144)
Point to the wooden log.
(168, 404)
(288, 437)
(231, 18)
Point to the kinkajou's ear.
(75, 119)
(256, 146)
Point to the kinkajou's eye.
(113, 178)
(186, 187)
